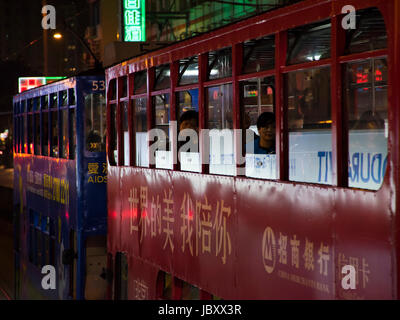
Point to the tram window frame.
(226, 71)
(163, 154)
(72, 133)
(296, 43)
(95, 116)
(37, 148)
(257, 165)
(64, 139)
(54, 133)
(113, 135)
(141, 148)
(187, 65)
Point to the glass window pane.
(188, 71)
(72, 99)
(45, 137)
(370, 33)
(54, 134)
(95, 123)
(188, 145)
(113, 136)
(37, 133)
(124, 83)
(367, 104)
(220, 64)
(140, 129)
(125, 132)
(310, 135)
(113, 89)
(64, 137)
(64, 98)
(30, 133)
(30, 105)
(162, 80)
(53, 100)
(309, 43)
(162, 114)
(259, 125)
(45, 102)
(140, 82)
(221, 134)
(26, 128)
(72, 136)
(259, 55)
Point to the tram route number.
(98, 85)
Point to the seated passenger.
(265, 142)
(189, 120)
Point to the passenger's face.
(188, 124)
(267, 133)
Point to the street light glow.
(57, 36)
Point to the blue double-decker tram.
(60, 175)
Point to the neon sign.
(26, 83)
(134, 17)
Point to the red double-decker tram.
(317, 219)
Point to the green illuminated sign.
(134, 20)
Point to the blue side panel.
(53, 196)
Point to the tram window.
(167, 289)
(258, 98)
(113, 89)
(220, 123)
(309, 43)
(140, 129)
(95, 123)
(64, 98)
(125, 132)
(259, 55)
(113, 136)
(29, 105)
(140, 82)
(189, 155)
(370, 33)
(163, 156)
(72, 99)
(54, 134)
(366, 100)
(188, 71)
(45, 129)
(37, 133)
(36, 104)
(162, 79)
(124, 82)
(53, 100)
(309, 116)
(72, 135)
(64, 136)
(26, 128)
(220, 64)
(45, 102)
(121, 277)
(31, 129)
(190, 292)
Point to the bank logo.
(269, 250)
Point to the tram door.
(96, 268)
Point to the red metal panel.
(114, 210)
